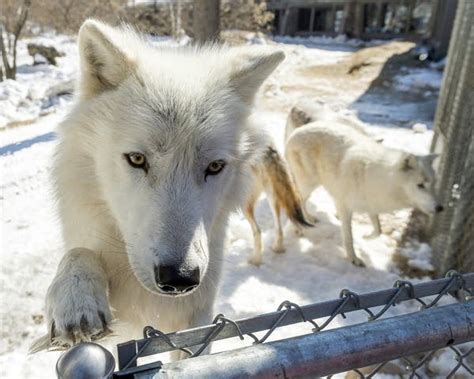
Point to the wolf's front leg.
(346, 220)
(76, 302)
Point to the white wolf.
(271, 176)
(146, 171)
(360, 174)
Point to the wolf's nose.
(439, 208)
(172, 280)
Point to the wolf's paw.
(256, 261)
(278, 248)
(298, 231)
(357, 262)
(77, 310)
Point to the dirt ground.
(355, 74)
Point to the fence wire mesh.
(194, 342)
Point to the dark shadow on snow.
(18, 146)
(383, 104)
(331, 45)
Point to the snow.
(419, 257)
(419, 78)
(444, 361)
(340, 41)
(313, 268)
(419, 127)
(34, 92)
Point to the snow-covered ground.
(313, 267)
(32, 94)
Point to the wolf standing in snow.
(272, 176)
(146, 171)
(360, 174)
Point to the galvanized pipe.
(333, 351)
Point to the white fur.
(360, 174)
(182, 108)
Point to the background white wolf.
(146, 171)
(360, 174)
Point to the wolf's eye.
(136, 160)
(421, 185)
(214, 168)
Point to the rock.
(48, 52)
(419, 128)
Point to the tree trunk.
(172, 19)
(178, 18)
(348, 19)
(206, 20)
(9, 72)
(175, 15)
(10, 69)
(441, 26)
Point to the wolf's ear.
(250, 67)
(104, 61)
(299, 116)
(409, 162)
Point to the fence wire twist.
(456, 286)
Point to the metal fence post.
(452, 231)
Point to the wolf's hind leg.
(374, 218)
(77, 307)
(278, 246)
(256, 258)
(346, 220)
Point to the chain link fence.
(452, 231)
(406, 345)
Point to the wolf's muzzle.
(173, 281)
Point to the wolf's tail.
(283, 187)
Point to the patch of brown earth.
(416, 230)
(361, 68)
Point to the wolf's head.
(168, 137)
(418, 179)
